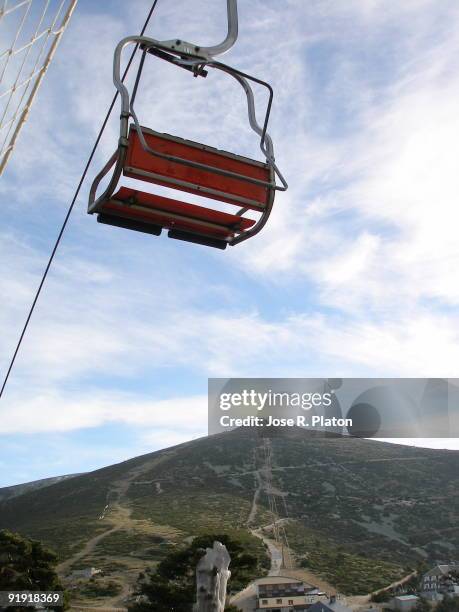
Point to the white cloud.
(395, 165)
(436, 443)
(165, 438)
(365, 237)
(60, 412)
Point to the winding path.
(117, 513)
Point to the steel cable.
(72, 204)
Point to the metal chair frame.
(196, 59)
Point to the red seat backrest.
(144, 166)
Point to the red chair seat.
(174, 214)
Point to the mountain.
(15, 490)
(357, 513)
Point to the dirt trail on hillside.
(116, 513)
(120, 598)
(256, 495)
(399, 582)
(247, 597)
(356, 601)
(274, 552)
(277, 552)
(86, 550)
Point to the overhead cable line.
(72, 204)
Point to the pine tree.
(26, 565)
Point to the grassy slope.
(338, 493)
(14, 491)
(351, 488)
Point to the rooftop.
(281, 580)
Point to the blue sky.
(356, 274)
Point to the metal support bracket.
(188, 49)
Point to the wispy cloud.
(188, 415)
(355, 273)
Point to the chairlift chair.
(184, 165)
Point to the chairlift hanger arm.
(209, 53)
(178, 48)
(232, 34)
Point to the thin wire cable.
(25, 57)
(4, 10)
(27, 82)
(16, 38)
(72, 204)
(34, 78)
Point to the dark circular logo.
(334, 383)
(366, 420)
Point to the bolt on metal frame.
(196, 59)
